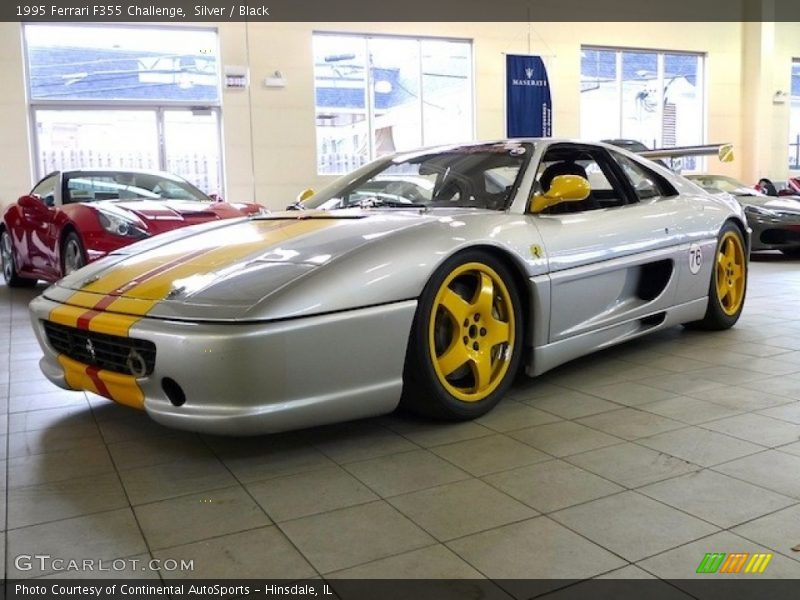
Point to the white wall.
(269, 135)
(283, 119)
(15, 161)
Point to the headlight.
(119, 225)
(263, 211)
(759, 211)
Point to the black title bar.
(708, 587)
(64, 11)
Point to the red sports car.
(72, 218)
(789, 187)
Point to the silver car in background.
(775, 220)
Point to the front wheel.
(73, 256)
(466, 341)
(9, 265)
(728, 281)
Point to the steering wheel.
(448, 191)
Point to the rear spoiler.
(723, 151)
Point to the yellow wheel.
(730, 273)
(465, 347)
(728, 281)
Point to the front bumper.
(774, 233)
(250, 378)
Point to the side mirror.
(216, 198)
(32, 203)
(564, 188)
(304, 195)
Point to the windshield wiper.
(379, 203)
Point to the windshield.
(724, 184)
(477, 176)
(120, 185)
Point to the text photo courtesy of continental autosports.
(314, 300)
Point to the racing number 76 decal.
(695, 258)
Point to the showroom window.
(126, 97)
(375, 95)
(656, 98)
(794, 118)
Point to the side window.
(500, 179)
(597, 179)
(644, 182)
(399, 184)
(46, 190)
(592, 166)
(91, 188)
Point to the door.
(612, 257)
(183, 141)
(192, 147)
(38, 223)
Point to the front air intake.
(129, 356)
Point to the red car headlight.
(118, 225)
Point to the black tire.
(459, 395)
(9, 263)
(724, 310)
(791, 252)
(73, 254)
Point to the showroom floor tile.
(771, 531)
(252, 554)
(633, 462)
(632, 525)
(288, 497)
(516, 552)
(461, 508)
(432, 562)
(352, 536)
(703, 493)
(76, 538)
(199, 516)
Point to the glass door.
(90, 139)
(182, 141)
(192, 147)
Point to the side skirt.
(548, 356)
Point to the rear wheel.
(728, 281)
(9, 265)
(466, 340)
(73, 256)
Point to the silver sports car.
(774, 221)
(428, 279)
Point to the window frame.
(665, 188)
(159, 106)
(131, 101)
(369, 107)
(660, 53)
(602, 156)
(56, 177)
(793, 144)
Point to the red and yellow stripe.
(128, 291)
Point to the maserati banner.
(528, 104)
